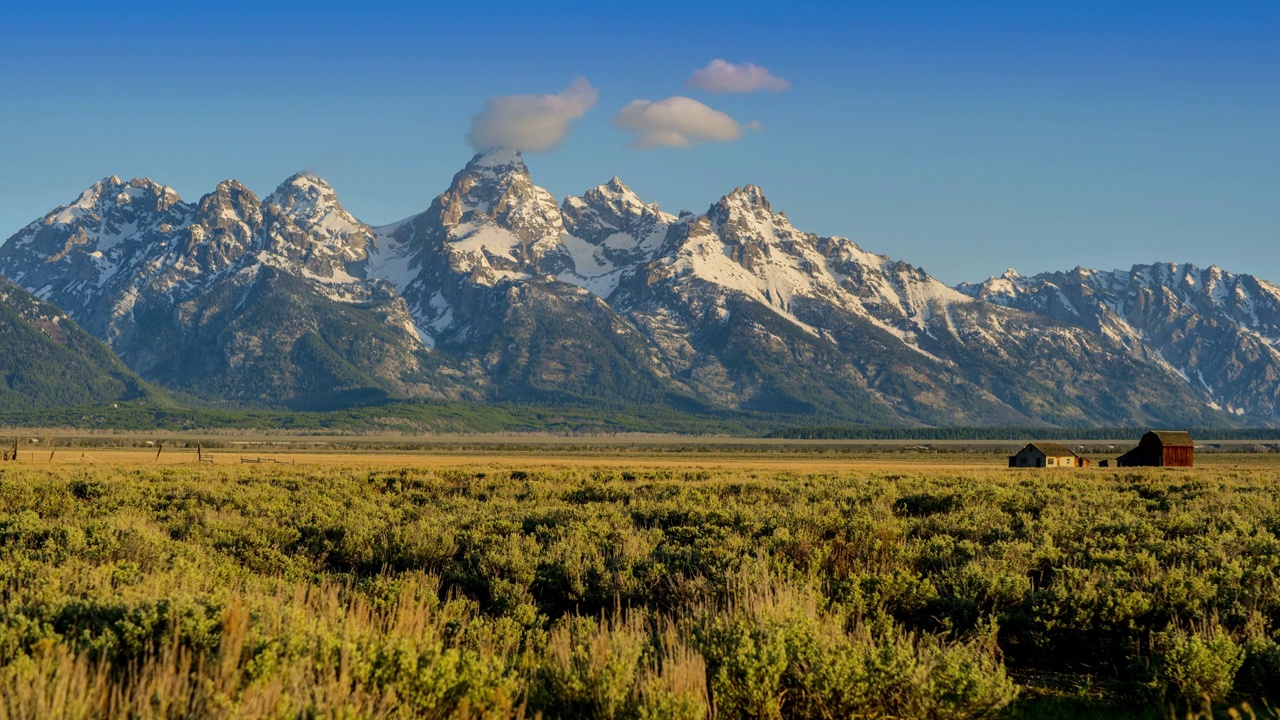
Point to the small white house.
(1042, 454)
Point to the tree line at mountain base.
(445, 417)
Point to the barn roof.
(1171, 438)
(1052, 449)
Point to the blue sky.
(961, 137)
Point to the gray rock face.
(498, 292)
(1219, 331)
(610, 231)
(324, 240)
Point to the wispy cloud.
(530, 123)
(675, 122)
(722, 76)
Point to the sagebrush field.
(504, 591)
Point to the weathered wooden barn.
(1045, 454)
(1161, 448)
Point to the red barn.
(1161, 448)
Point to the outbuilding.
(1045, 454)
(1161, 448)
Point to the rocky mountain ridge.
(220, 297)
(1217, 330)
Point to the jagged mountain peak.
(304, 183)
(498, 161)
(232, 186)
(97, 190)
(617, 190)
(230, 201)
(328, 232)
(103, 188)
(617, 194)
(745, 217)
(304, 196)
(111, 192)
(491, 224)
(229, 195)
(489, 184)
(495, 188)
(618, 205)
(311, 202)
(747, 196)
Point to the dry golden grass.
(798, 458)
(324, 679)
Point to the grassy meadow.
(625, 585)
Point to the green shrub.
(1259, 674)
(1198, 664)
(776, 652)
(618, 670)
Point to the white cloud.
(531, 123)
(675, 122)
(721, 76)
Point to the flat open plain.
(506, 451)
(512, 577)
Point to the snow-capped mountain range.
(497, 292)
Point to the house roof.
(1051, 449)
(1171, 438)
